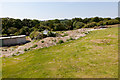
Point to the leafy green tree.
(106, 19)
(78, 25)
(59, 27)
(95, 19)
(90, 25)
(12, 30)
(86, 20)
(117, 18)
(24, 30)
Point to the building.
(12, 40)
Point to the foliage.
(71, 38)
(51, 34)
(90, 25)
(65, 34)
(79, 25)
(36, 35)
(60, 41)
(85, 57)
(25, 49)
(42, 41)
(26, 26)
(34, 46)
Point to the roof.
(12, 37)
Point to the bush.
(29, 49)
(79, 25)
(42, 41)
(60, 41)
(65, 34)
(13, 55)
(17, 52)
(37, 35)
(90, 25)
(34, 46)
(54, 40)
(25, 49)
(67, 40)
(71, 38)
(111, 22)
(51, 34)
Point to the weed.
(65, 34)
(60, 41)
(71, 38)
(34, 46)
(13, 55)
(25, 49)
(17, 52)
(42, 41)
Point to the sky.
(58, 10)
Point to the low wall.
(13, 40)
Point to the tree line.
(11, 26)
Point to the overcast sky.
(60, 10)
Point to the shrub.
(17, 52)
(90, 25)
(54, 40)
(29, 48)
(71, 38)
(34, 46)
(65, 34)
(79, 25)
(51, 34)
(60, 41)
(42, 41)
(67, 40)
(25, 49)
(37, 35)
(13, 55)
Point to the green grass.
(92, 56)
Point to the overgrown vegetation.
(65, 34)
(60, 41)
(25, 49)
(34, 46)
(42, 41)
(12, 26)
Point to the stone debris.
(48, 41)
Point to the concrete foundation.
(12, 40)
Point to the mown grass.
(93, 56)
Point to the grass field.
(93, 56)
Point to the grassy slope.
(95, 55)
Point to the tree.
(78, 25)
(77, 19)
(90, 25)
(117, 18)
(59, 27)
(12, 30)
(106, 19)
(86, 20)
(95, 19)
(24, 30)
